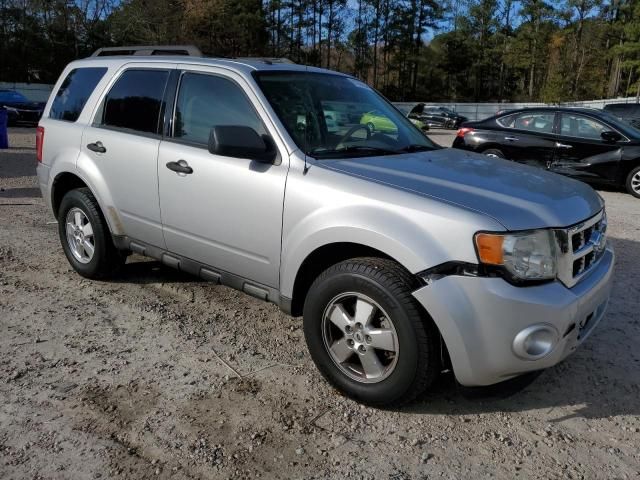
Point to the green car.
(421, 125)
(379, 123)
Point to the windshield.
(332, 116)
(629, 126)
(8, 96)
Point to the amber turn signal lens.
(490, 248)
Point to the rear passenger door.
(582, 153)
(528, 137)
(122, 144)
(226, 213)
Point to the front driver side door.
(227, 213)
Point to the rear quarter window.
(135, 101)
(74, 92)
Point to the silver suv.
(404, 258)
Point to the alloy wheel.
(635, 182)
(80, 236)
(360, 337)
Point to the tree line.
(456, 50)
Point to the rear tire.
(633, 182)
(494, 152)
(85, 236)
(386, 350)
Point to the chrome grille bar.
(580, 248)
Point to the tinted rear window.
(74, 92)
(135, 100)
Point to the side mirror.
(611, 136)
(241, 142)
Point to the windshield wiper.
(353, 149)
(415, 147)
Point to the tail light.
(39, 142)
(463, 131)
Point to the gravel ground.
(160, 375)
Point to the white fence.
(37, 92)
(478, 111)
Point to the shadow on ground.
(31, 192)
(16, 164)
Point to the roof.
(242, 65)
(554, 109)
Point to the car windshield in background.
(629, 127)
(333, 116)
(13, 97)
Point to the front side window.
(334, 116)
(135, 101)
(540, 122)
(572, 125)
(205, 101)
(74, 92)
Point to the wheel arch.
(322, 258)
(65, 181)
(491, 146)
(62, 184)
(626, 166)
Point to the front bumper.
(479, 318)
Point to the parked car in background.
(440, 117)
(587, 144)
(629, 112)
(378, 122)
(420, 124)
(19, 108)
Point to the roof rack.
(267, 60)
(186, 50)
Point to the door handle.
(563, 145)
(180, 167)
(97, 147)
(511, 139)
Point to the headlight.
(523, 256)
(11, 109)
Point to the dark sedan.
(20, 110)
(587, 144)
(440, 117)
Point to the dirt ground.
(161, 375)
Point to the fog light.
(535, 342)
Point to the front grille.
(581, 246)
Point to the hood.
(419, 108)
(518, 196)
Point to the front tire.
(368, 335)
(633, 182)
(85, 236)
